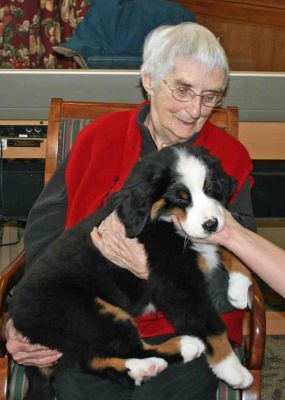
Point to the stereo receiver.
(23, 139)
(23, 131)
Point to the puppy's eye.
(182, 198)
(183, 195)
(212, 189)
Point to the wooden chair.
(66, 118)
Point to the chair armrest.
(9, 277)
(255, 343)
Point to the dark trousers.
(190, 381)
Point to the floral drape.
(29, 29)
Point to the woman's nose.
(194, 107)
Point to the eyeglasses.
(182, 92)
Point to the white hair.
(166, 43)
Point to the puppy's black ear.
(134, 207)
(145, 185)
(224, 185)
(228, 186)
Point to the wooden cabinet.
(251, 32)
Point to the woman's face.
(171, 121)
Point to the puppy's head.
(182, 181)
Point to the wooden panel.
(251, 32)
(263, 140)
(256, 12)
(275, 323)
(23, 122)
(32, 148)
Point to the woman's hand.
(225, 235)
(26, 353)
(110, 238)
(222, 237)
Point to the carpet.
(273, 373)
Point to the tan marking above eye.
(156, 207)
(183, 195)
(179, 212)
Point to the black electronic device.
(21, 183)
(268, 194)
(23, 131)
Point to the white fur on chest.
(210, 254)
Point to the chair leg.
(3, 377)
(253, 392)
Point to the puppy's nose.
(210, 225)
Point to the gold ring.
(101, 231)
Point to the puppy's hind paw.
(233, 372)
(141, 368)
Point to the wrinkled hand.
(26, 353)
(110, 238)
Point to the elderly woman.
(185, 74)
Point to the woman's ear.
(148, 84)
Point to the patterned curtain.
(29, 29)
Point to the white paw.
(233, 372)
(238, 294)
(191, 347)
(140, 368)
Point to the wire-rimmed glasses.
(183, 93)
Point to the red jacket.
(100, 161)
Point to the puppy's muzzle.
(210, 225)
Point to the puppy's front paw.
(238, 290)
(140, 368)
(191, 347)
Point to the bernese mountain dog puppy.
(74, 300)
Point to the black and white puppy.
(76, 301)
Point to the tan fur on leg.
(221, 348)
(118, 364)
(233, 264)
(170, 347)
